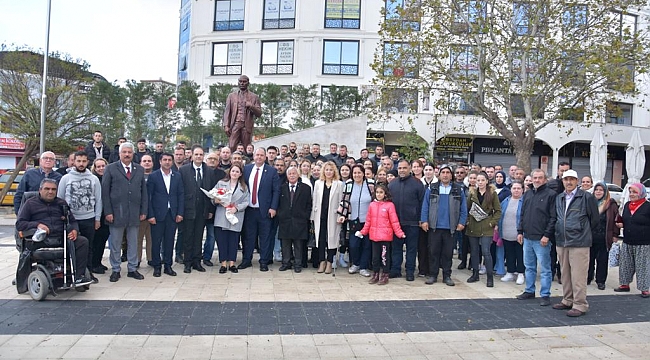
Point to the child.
(381, 223)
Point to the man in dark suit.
(198, 207)
(293, 215)
(264, 184)
(166, 209)
(124, 196)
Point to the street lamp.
(45, 58)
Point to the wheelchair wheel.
(38, 285)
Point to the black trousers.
(162, 235)
(293, 249)
(381, 256)
(555, 265)
(324, 254)
(192, 237)
(598, 256)
(423, 253)
(87, 230)
(481, 244)
(441, 251)
(514, 256)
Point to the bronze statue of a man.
(239, 117)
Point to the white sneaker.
(482, 270)
(365, 273)
(521, 279)
(353, 269)
(508, 277)
(342, 261)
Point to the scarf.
(634, 205)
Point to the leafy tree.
(341, 102)
(518, 65)
(304, 105)
(138, 105)
(108, 102)
(68, 115)
(189, 104)
(165, 120)
(413, 146)
(275, 105)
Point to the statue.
(239, 117)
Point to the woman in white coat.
(328, 192)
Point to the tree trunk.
(30, 150)
(523, 149)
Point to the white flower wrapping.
(224, 197)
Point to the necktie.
(199, 179)
(293, 192)
(128, 172)
(257, 175)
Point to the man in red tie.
(264, 183)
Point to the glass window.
(227, 58)
(518, 109)
(461, 103)
(619, 113)
(470, 17)
(404, 11)
(464, 62)
(277, 57)
(528, 18)
(279, 14)
(531, 58)
(400, 100)
(340, 57)
(229, 15)
(344, 14)
(399, 60)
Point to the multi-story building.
(329, 42)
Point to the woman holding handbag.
(358, 195)
(328, 192)
(484, 214)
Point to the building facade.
(327, 42)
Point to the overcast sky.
(120, 39)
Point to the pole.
(45, 58)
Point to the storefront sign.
(454, 144)
(493, 146)
(11, 143)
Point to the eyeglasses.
(48, 158)
(212, 159)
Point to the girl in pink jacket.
(381, 223)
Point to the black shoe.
(198, 267)
(394, 275)
(297, 269)
(187, 269)
(223, 270)
(410, 277)
(103, 267)
(233, 269)
(99, 270)
(490, 281)
(207, 263)
(114, 276)
(422, 274)
(178, 259)
(244, 265)
(448, 281)
(169, 271)
(462, 265)
(545, 301)
(82, 281)
(589, 282)
(474, 277)
(156, 272)
(94, 279)
(431, 280)
(123, 258)
(150, 263)
(81, 289)
(525, 296)
(137, 266)
(284, 267)
(264, 267)
(135, 274)
(601, 286)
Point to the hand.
(72, 235)
(98, 224)
(340, 220)
(143, 217)
(44, 227)
(271, 213)
(227, 130)
(544, 241)
(179, 218)
(231, 210)
(358, 234)
(520, 239)
(460, 227)
(248, 104)
(425, 226)
(496, 228)
(210, 215)
(619, 225)
(109, 218)
(404, 236)
(152, 221)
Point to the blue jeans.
(208, 246)
(411, 241)
(360, 251)
(534, 252)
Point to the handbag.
(614, 255)
(355, 225)
(311, 240)
(497, 239)
(477, 212)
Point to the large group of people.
(375, 215)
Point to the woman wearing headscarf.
(500, 183)
(603, 236)
(635, 250)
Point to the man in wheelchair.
(51, 214)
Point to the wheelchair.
(44, 267)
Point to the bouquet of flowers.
(223, 197)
